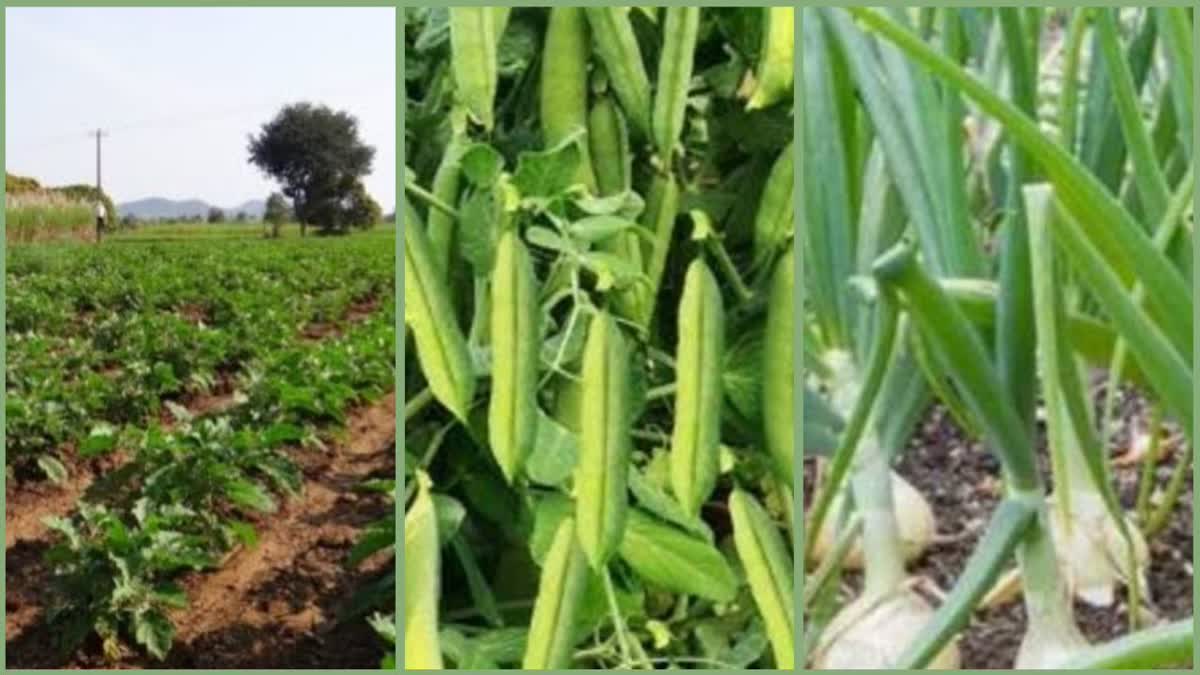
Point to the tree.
(240, 217)
(276, 213)
(317, 156)
(215, 215)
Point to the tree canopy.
(317, 156)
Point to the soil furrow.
(276, 604)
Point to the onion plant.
(996, 203)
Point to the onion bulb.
(872, 633)
(1048, 645)
(914, 518)
(1092, 554)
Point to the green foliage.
(997, 202)
(318, 157)
(35, 213)
(537, 156)
(105, 342)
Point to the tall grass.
(44, 216)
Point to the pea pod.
(500, 21)
(473, 42)
(441, 348)
(612, 34)
(696, 440)
(564, 84)
(612, 160)
(446, 183)
(680, 29)
(422, 579)
(774, 220)
(600, 477)
(560, 590)
(778, 370)
(662, 205)
(608, 138)
(769, 573)
(776, 66)
(516, 340)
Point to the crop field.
(999, 227)
(599, 430)
(200, 453)
(188, 231)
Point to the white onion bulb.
(872, 633)
(914, 517)
(1091, 551)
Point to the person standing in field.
(101, 215)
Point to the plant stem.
(1047, 603)
(882, 552)
(661, 391)
(618, 622)
(1149, 464)
(418, 403)
(1174, 488)
(816, 583)
(729, 270)
(430, 199)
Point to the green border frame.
(400, 5)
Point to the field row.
(183, 391)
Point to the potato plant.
(598, 226)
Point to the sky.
(179, 90)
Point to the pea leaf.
(550, 172)
(676, 561)
(481, 164)
(595, 229)
(555, 452)
(477, 230)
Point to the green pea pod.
(473, 39)
(422, 572)
(608, 138)
(516, 341)
(560, 591)
(604, 441)
(500, 21)
(612, 160)
(769, 572)
(612, 33)
(776, 60)
(674, 75)
(564, 84)
(774, 221)
(696, 440)
(441, 348)
(778, 370)
(446, 183)
(662, 205)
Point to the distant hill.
(161, 208)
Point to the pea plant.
(598, 226)
(998, 218)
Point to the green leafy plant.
(589, 288)
(985, 223)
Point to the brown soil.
(194, 314)
(355, 313)
(960, 480)
(271, 606)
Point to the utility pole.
(98, 133)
